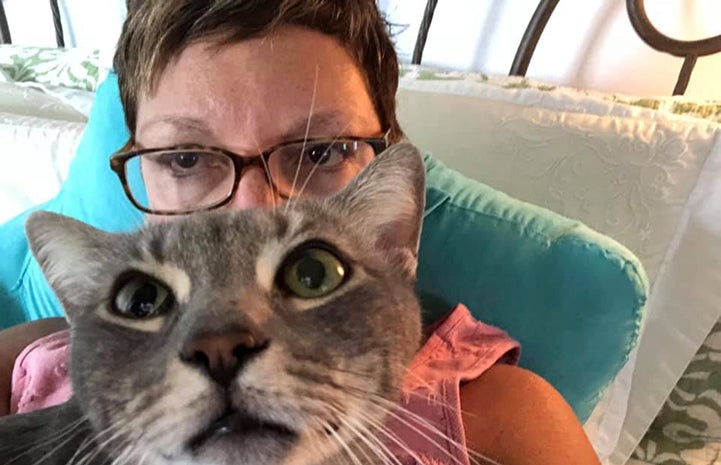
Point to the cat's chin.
(237, 437)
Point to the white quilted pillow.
(35, 155)
(649, 183)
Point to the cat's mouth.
(234, 423)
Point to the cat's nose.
(222, 355)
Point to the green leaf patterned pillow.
(73, 68)
(705, 109)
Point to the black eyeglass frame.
(118, 161)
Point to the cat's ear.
(386, 201)
(71, 255)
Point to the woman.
(253, 77)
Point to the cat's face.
(256, 337)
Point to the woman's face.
(252, 95)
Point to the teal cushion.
(572, 297)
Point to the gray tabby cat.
(257, 337)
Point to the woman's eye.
(186, 160)
(326, 154)
(181, 163)
(142, 298)
(312, 273)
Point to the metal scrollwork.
(689, 50)
(530, 39)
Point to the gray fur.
(134, 394)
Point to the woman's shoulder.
(23, 349)
(515, 416)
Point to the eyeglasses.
(190, 178)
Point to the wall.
(588, 43)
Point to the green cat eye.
(141, 298)
(312, 272)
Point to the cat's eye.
(142, 297)
(312, 271)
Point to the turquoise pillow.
(572, 297)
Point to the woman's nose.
(254, 190)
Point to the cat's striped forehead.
(243, 246)
(209, 256)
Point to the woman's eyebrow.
(331, 123)
(183, 123)
(327, 123)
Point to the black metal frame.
(690, 51)
(6, 38)
(530, 39)
(4, 28)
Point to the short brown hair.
(156, 31)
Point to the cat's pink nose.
(222, 355)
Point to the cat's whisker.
(315, 166)
(329, 428)
(139, 222)
(320, 441)
(270, 183)
(143, 458)
(71, 434)
(384, 430)
(417, 377)
(368, 460)
(429, 428)
(305, 139)
(49, 454)
(364, 375)
(91, 441)
(365, 432)
(345, 371)
(267, 171)
(127, 454)
(430, 400)
(436, 401)
(365, 435)
(83, 445)
(179, 417)
(70, 429)
(125, 457)
(316, 440)
(433, 400)
(91, 451)
(380, 427)
(114, 429)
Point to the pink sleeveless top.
(458, 349)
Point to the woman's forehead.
(258, 92)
